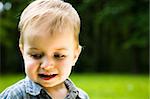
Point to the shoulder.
(15, 91)
(83, 94)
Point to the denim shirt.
(27, 89)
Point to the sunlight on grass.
(113, 86)
(101, 86)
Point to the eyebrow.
(33, 48)
(55, 49)
(62, 49)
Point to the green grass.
(101, 86)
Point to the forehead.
(40, 37)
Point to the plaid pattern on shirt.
(27, 89)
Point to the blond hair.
(56, 14)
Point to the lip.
(47, 77)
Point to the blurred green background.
(114, 35)
(115, 39)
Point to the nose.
(47, 64)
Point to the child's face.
(48, 57)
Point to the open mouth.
(47, 77)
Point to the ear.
(21, 48)
(76, 54)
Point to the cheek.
(31, 66)
(63, 65)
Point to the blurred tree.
(9, 17)
(115, 35)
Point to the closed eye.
(37, 56)
(59, 56)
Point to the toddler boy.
(49, 45)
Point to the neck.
(58, 92)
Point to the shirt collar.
(70, 85)
(32, 87)
(73, 91)
(35, 89)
